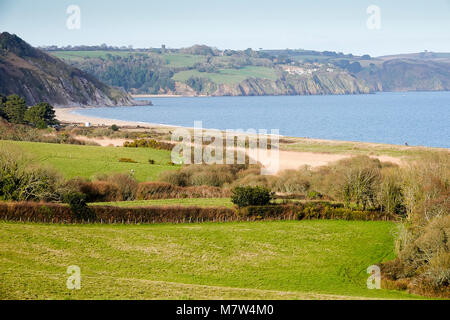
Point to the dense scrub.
(423, 246)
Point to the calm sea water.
(418, 118)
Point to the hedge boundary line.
(59, 213)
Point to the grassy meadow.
(88, 161)
(258, 260)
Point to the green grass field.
(229, 76)
(201, 202)
(87, 161)
(249, 260)
(182, 60)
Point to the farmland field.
(182, 60)
(229, 76)
(265, 260)
(87, 161)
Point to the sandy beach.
(69, 115)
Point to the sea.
(413, 118)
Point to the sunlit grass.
(258, 260)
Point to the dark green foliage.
(2, 105)
(139, 72)
(78, 206)
(14, 109)
(40, 115)
(201, 84)
(114, 128)
(250, 196)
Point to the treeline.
(14, 110)
(135, 72)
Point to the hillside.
(201, 70)
(38, 77)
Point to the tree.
(15, 109)
(2, 106)
(40, 115)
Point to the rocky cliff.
(317, 84)
(39, 77)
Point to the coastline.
(69, 115)
(166, 96)
(289, 158)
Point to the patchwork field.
(87, 161)
(265, 260)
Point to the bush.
(250, 196)
(149, 143)
(163, 190)
(22, 180)
(114, 128)
(101, 191)
(203, 175)
(125, 183)
(78, 206)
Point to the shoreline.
(69, 115)
(166, 96)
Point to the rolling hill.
(40, 77)
(201, 70)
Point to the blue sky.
(406, 26)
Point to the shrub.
(163, 190)
(390, 196)
(154, 190)
(114, 128)
(127, 160)
(199, 175)
(101, 191)
(78, 206)
(293, 182)
(149, 143)
(22, 180)
(250, 196)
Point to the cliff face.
(318, 84)
(408, 75)
(39, 77)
